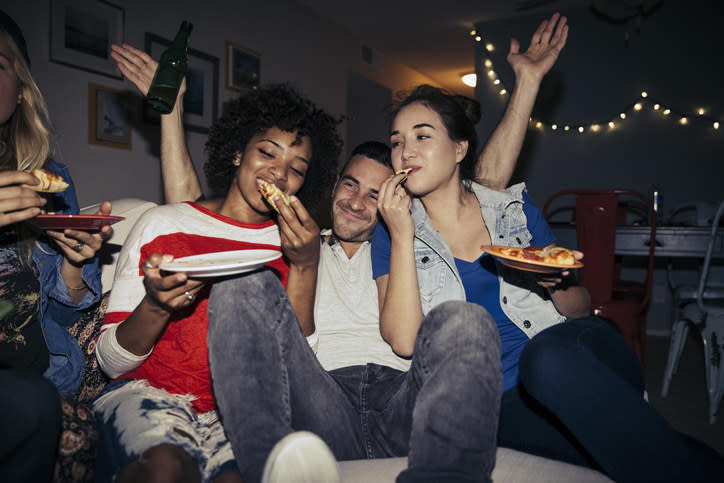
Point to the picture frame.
(242, 68)
(202, 92)
(81, 34)
(108, 117)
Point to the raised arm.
(497, 160)
(180, 181)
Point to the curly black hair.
(271, 106)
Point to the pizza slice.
(405, 171)
(49, 182)
(553, 255)
(560, 255)
(534, 253)
(269, 191)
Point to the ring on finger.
(189, 296)
(79, 247)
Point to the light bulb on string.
(639, 105)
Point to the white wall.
(295, 45)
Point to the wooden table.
(671, 241)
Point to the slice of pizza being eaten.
(270, 191)
(49, 182)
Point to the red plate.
(527, 265)
(75, 222)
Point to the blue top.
(482, 286)
(57, 310)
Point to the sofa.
(78, 435)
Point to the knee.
(542, 359)
(458, 326)
(161, 464)
(249, 287)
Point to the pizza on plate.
(49, 182)
(553, 255)
(270, 191)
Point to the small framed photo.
(202, 92)
(81, 34)
(108, 117)
(242, 68)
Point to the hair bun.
(470, 107)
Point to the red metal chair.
(623, 302)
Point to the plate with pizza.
(221, 264)
(552, 259)
(75, 222)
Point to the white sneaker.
(301, 457)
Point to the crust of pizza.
(560, 255)
(269, 191)
(49, 182)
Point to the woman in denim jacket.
(46, 279)
(572, 391)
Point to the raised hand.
(545, 46)
(16, 202)
(138, 67)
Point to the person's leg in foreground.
(30, 420)
(590, 379)
(444, 414)
(267, 380)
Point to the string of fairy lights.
(699, 115)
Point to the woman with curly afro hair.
(154, 338)
(280, 106)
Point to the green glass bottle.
(170, 72)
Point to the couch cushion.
(511, 466)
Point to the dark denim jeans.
(30, 421)
(443, 413)
(580, 400)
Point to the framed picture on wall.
(202, 92)
(242, 68)
(108, 117)
(81, 34)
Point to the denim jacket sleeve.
(57, 310)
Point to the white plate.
(221, 263)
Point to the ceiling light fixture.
(469, 79)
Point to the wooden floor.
(686, 406)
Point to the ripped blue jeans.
(134, 416)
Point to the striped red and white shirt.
(178, 362)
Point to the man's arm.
(180, 181)
(497, 160)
